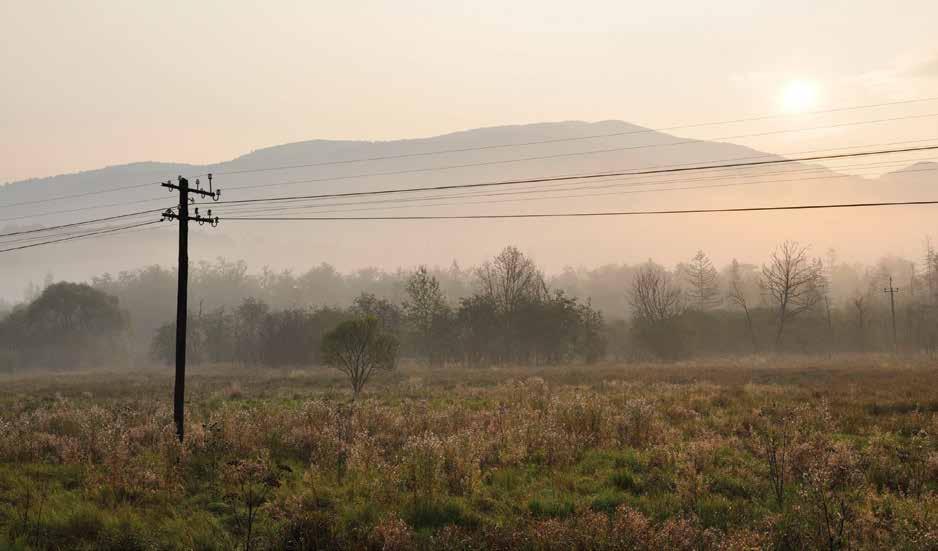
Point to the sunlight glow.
(799, 96)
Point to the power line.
(41, 237)
(81, 209)
(561, 140)
(82, 194)
(61, 233)
(607, 184)
(129, 228)
(73, 196)
(81, 223)
(140, 201)
(572, 196)
(579, 177)
(829, 173)
(593, 214)
(571, 154)
(84, 235)
(78, 195)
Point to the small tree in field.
(359, 347)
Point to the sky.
(97, 83)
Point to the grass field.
(737, 454)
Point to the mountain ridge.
(458, 135)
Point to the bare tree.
(510, 279)
(793, 283)
(654, 297)
(737, 295)
(703, 280)
(358, 348)
(657, 303)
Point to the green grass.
(501, 457)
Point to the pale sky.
(93, 83)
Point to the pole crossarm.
(184, 183)
(169, 214)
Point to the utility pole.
(182, 294)
(892, 305)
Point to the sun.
(799, 96)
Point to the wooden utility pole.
(892, 305)
(182, 293)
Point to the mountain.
(916, 181)
(571, 148)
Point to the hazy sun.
(799, 96)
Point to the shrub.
(358, 348)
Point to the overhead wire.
(157, 199)
(555, 197)
(111, 230)
(590, 214)
(542, 198)
(80, 236)
(43, 237)
(73, 196)
(603, 184)
(6, 241)
(82, 209)
(711, 167)
(80, 223)
(575, 177)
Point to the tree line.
(67, 325)
(793, 303)
(513, 317)
(504, 311)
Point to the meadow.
(753, 453)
